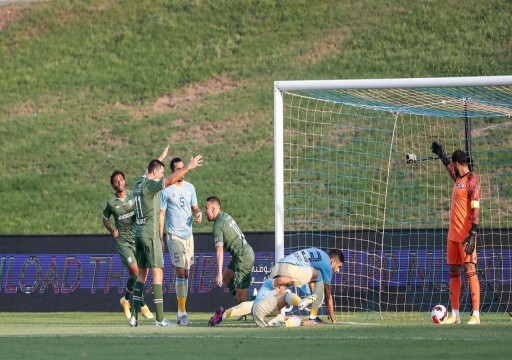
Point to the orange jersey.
(465, 208)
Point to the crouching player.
(314, 267)
(266, 308)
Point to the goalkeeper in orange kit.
(463, 230)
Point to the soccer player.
(178, 205)
(314, 267)
(147, 239)
(462, 232)
(122, 207)
(266, 308)
(237, 275)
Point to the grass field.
(91, 86)
(108, 336)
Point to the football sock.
(455, 285)
(181, 295)
(292, 299)
(129, 286)
(232, 288)
(137, 295)
(158, 299)
(319, 291)
(241, 309)
(227, 313)
(474, 286)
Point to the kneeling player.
(266, 308)
(314, 267)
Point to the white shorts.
(303, 275)
(181, 251)
(266, 312)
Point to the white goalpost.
(354, 170)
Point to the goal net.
(354, 170)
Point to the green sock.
(158, 299)
(129, 286)
(232, 288)
(137, 295)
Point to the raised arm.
(439, 151)
(162, 156)
(175, 176)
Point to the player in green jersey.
(122, 207)
(237, 275)
(147, 237)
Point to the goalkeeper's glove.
(470, 241)
(439, 151)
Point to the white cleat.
(304, 303)
(165, 323)
(133, 321)
(183, 321)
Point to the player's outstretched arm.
(329, 304)
(175, 176)
(439, 151)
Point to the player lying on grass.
(314, 267)
(266, 308)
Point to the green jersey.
(147, 207)
(228, 234)
(123, 211)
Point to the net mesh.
(359, 175)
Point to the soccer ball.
(439, 313)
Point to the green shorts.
(149, 253)
(126, 251)
(242, 267)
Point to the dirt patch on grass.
(10, 13)
(330, 44)
(485, 130)
(216, 132)
(181, 98)
(192, 93)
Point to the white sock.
(476, 313)
(455, 313)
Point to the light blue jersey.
(312, 257)
(178, 202)
(266, 290)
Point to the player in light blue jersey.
(314, 267)
(178, 206)
(266, 309)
